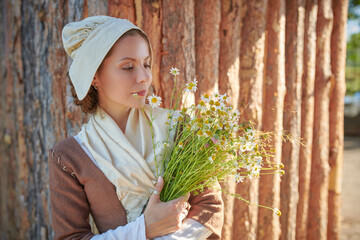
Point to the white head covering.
(87, 42)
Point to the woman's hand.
(162, 218)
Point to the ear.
(95, 80)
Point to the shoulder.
(64, 153)
(64, 144)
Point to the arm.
(132, 230)
(70, 209)
(208, 209)
(191, 230)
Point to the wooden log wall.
(281, 61)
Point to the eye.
(130, 67)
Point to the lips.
(141, 93)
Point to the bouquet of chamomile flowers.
(211, 144)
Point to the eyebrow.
(131, 58)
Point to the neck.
(119, 113)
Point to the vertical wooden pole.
(272, 118)
(336, 124)
(122, 9)
(151, 24)
(250, 104)
(295, 14)
(229, 82)
(307, 117)
(207, 44)
(178, 41)
(318, 207)
(12, 129)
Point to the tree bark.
(295, 14)
(272, 117)
(336, 121)
(151, 24)
(250, 102)
(207, 44)
(178, 41)
(229, 83)
(319, 181)
(307, 117)
(231, 46)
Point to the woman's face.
(126, 71)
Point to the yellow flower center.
(154, 100)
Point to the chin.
(139, 104)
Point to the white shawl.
(127, 160)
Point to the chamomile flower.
(192, 86)
(224, 98)
(154, 100)
(255, 169)
(201, 105)
(277, 212)
(181, 144)
(219, 105)
(238, 178)
(174, 71)
(250, 145)
(243, 148)
(215, 95)
(205, 98)
(258, 160)
(211, 158)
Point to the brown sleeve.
(69, 206)
(208, 209)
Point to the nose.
(144, 75)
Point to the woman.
(107, 170)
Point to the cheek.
(117, 85)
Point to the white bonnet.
(87, 42)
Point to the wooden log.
(272, 118)
(319, 181)
(229, 83)
(289, 196)
(122, 9)
(98, 7)
(207, 44)
(307, 117)
(250, 102)
(73, 115)
(151, 24)
(12, 128)
(178, 44)
(336, 121)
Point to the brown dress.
(78, 187)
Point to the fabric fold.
(127, 159)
